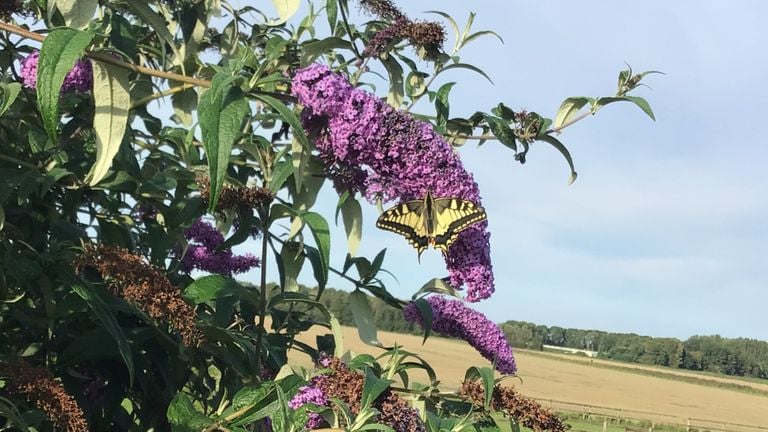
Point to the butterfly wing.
(452, 216)
(407, 219)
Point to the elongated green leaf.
(363, 316)
(157, 22)
(480, 34)
(77, 13)
(223, 109)
(183, 416)
(102, 312)
(332, 320)
(502, 131)
(468, 67)
(287, 115)
(643, 104)
(314, 49)
(58, 55)
(352, 215)
(436, 285)
(292, 258)
(285, 10)
(425, 309)
(332, 11)
(564, 151)
(396, 93)
(321, 233)
(569, 108)
(415, 84)
(10, 93)
(442, 104)
(112, 100)
(184, 104)
(373, 386)
(212, 287)
(487, 377)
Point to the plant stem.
(264, 215)
(342, 8)
(18, 162)
(578, 118)
(171, 91)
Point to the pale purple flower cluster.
(202, 254)
(310, 394)
(453, 318)
(370, 147)
(78, 80)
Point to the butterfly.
(431, 221)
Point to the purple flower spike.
(202, 254)
(452, 318)
(310, 394)
(78, 80)
(368, 146)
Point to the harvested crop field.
(566, 380)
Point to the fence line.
(674, 420)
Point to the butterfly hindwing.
(436, 221)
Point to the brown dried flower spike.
(235, 197)
(144, 285)
(39, 388)
(525, 411)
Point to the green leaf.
(442, 104)
(314, 49)
(183, 416)
(292, 257)
(250, 402)
(480, 34)
(287, 115)
(415, 84)
(373, 386)
(158, 24)
(436, 285)
(569, 108)
(60, 52)
(332, 320)
(468, 67)
(112, 100)
(318, 267)
(184, 104)
(487, 376)
(643, 104)
(501, 131)
(222, 110)
(108, 320)
(426, 316)
(332, 10)
(285, 10)
(212, 287)
(352, 216)
(396, 93)
(363, 316)
(564, 151)
(322, 235)
(77, 13)
(10, 93)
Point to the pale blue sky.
(663, 233)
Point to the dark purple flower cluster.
(453, 318)
(368, 146)
(311, 394)
(202, 254)
(78, 80)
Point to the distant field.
(568, 379)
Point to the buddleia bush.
(141, 141)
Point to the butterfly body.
(431, 221)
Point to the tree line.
(740, 356)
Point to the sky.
(664, 231)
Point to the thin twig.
(18, 162)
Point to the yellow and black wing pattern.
(431, 221)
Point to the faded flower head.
(38, 387)
(368, 146)
(144, 285)
(347, 385)
(452, 318)
(426, 37)
(203, 253)
(525, 411)
(78, 80)
(235, 197)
